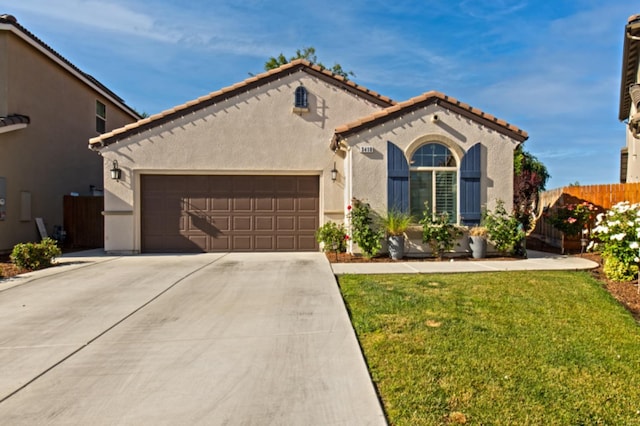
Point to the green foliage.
(529, 178)
(617, 270)
(573, 218)
(618, 234)
(506, 348)
(504, 229)
(333, 237)
(308, 53)
(396, 222)
(363, 230)
(34, 256)
(438, 231)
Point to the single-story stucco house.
(260, 165)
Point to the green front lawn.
(525, 348)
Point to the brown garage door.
(229, 213)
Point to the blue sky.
(551, 67)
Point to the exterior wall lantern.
(334, 172)
(116, 173)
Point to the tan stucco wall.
(412, 130)
(255, 132)
(49, 158)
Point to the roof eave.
(429, 98)
(226, 93)
(66, 65)
(630, 57)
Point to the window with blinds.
(433, 180)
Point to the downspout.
(348, 184)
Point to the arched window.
(433, 177)
(301, 98)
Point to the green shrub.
(333, 237)
(363, 231)
(438, 231)
(504, 229)
(34, 256)
(617, 270)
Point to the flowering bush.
(618, 234)
(364, 233)
(504, 229)
(333, 237)
(438, 231)
(573, 218)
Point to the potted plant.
(395, 224)
(439, 232)
(478, 242)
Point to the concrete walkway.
(537, 261)
(211, 339)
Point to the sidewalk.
(537, 261)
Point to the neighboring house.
(258, 166)
(48, 111)
(629, 110)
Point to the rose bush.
(573, 218)
(363, 229)
(617, 238)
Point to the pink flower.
(572, 220)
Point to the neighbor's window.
(301, 98)
(101, 117)
(433, 179)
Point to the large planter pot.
(396, 246)
(478, 246)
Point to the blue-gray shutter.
(470, 172)
(397, 179)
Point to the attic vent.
(301, 100)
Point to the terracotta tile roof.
(10, 20)
(630, 58)
(425, 99)
(10, 120)
(233, 90)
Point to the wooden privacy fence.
(603, 196)
(83, 222)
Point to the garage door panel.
(242, 204)
(242, 242)
(307, 223)
(309, 185)
(229, 213)
(218, 204)
(220, 223)
(307, 243)
(286, 242)
(197, 203)
(285, 223)
(242, 223)
(265, 204)
(307, 204)
(266, 223)
(264, 243)
(285, 185)
(286, 204)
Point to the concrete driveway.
(215, 339)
